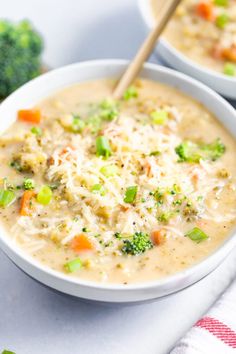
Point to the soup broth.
(119, 192)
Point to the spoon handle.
(145, 50)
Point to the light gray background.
(33, 319)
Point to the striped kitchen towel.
(215, 333)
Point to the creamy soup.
(205, 31)
(119, 192)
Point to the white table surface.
(33, 319)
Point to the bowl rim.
(146, 12)
(6, 242)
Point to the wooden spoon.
(167, 9)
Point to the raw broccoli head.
(20, 48)
(139, 243)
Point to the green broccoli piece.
(28, 184)
(131, 92)
(105, 111)
(20, 48)
(188, 152)
(137, 244)
(214, 150)
(192, 152)
(108, 110)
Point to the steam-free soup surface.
(119, 192)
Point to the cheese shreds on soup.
(205, 31)
(118, 191)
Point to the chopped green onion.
(221, 2)
(109, 170)
(222, 20)
(131, 92)
(196, 235)
(7, 352)
(175, 190)
(36, 130)
(44, 195)
(6, 197)
(159, 117)
(130, 194)
(154, 153)
(74, 265)
(102, 146)
(229, 69)
(98, 189)
(28, 184)
(77, 124)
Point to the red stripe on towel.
(218, 329)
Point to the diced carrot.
(67, 151)
(195, 178)
(32, 116)
(148, 169)
(50, 161)
(229, 53)
(205, 9)
(124, 208)
(25, 205)
(81, 243)
(158, 237)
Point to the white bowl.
(45, 85)
(223, 84)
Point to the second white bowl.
(221, 83)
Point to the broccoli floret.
(131, 92)
(20, 48)
(214, 150)
(137, 244)
(28, 184)
(192, 152)
(165, 217)
(108, 110)
(188, 152)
